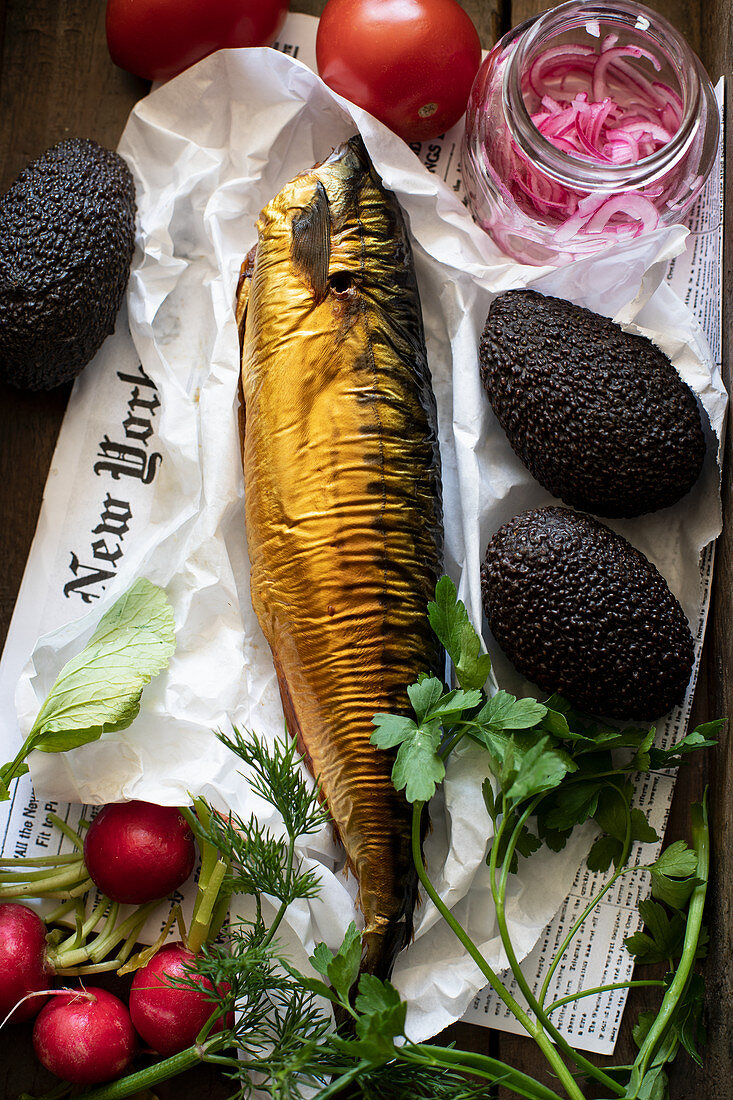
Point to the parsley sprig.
(553, 769)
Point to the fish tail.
(382, 941)
(380, 949)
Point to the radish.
(137, 851)
(167, 1016)
(85, 1036)
(23, 967)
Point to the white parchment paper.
(208, 150)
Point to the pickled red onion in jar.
(586, 126)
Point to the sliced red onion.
(598, 106)
(623, 150)
(635, 206)
(613, 58)
(572, 227)
(534, 75)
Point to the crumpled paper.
(208, 150)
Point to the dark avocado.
(579, 610)
(67, 230)
(598, 416)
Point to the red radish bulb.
(137, 851)
(85, 1037)
(23, 967)
(167, 1016)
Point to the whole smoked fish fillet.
(343, 501)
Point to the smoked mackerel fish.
(343, 501)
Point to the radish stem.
(68, 832)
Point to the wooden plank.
(58, 81)
(717, 1072)
(683, 14)
(2, 35)
(490, 18)
(716, 51)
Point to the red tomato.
(410, 63)
(159, 38)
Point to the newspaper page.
(93, 532)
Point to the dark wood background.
(57, 81)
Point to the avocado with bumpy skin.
(67, 231)
(598, 416)
(579, 610)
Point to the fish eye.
(341, 283)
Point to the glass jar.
(587, 125)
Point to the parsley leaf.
(342, 968)
(505, 712)
(702, 737)
(510, 752)
(577, 804)
(491, 801)
(673, 875)
(689, 1027)
(418, 767)
(641, 761)
(677, 860)
(452, 626)
(381, 1020)
(663, 938)
(527, 843)
(376, 997)
(392, 730)
(602, 853)
(541, 769)
(555, 722)
(621, 822)
(424, 695)
(641, 830)
(642, 1026)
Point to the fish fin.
(243, 287)
(382, 942)
(380, 949)
(242, 417)
(291, 719)
(381, 946)
(310, 248)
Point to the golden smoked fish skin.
(343, 501)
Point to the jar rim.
(576, 171)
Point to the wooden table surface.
(57, 81)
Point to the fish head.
(332, 249)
